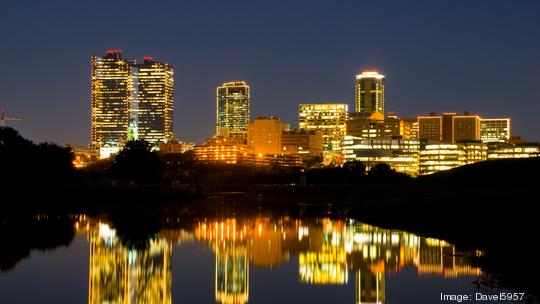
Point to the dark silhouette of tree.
(355, 167)
(22, 160)
(312, 161)
(136, 162)
(382, 172)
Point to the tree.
(355, 167)
(137, 162)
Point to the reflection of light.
(106, 232)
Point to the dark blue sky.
(480, 56)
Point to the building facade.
(434, 157)
(495, 130)
(130, 101)
(111, 99)
(264, 135)
(301, 142)
(154, 103)
(328, 118)
(370, 92)
(466, 128)
(400, 154)
(430, 127)
(232, 109)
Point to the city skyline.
(447, 66)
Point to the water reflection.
(327, 250)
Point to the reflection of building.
(232, 109)
(232, 274)
(122, 275)
(370, 92)
(329, 118)
(328, 263)
(495, 129)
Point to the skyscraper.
(111, 99)
(370, 92)
(130, 100)
(232, 109)
(153, 109)
(430, 127)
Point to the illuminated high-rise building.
(130, 101)
(153, 110)
(495, 129)
(370, 92)
(232, 109)
(329, 118)
(111, 99)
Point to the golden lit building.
(521, 150)
(430, 127)
(495, 130)
(111, 99)
(302, 142)
(232, 109)
(329, 118)
(83, 156)
(466, 128)
(153, 105)
(400, 154)
(439, 157)
(264, 135)
(119, 274)
(370, 92)
(230, 150)
(474, 151)
(374, 125)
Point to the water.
(231, 259)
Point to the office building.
(153, 106)
(447, 127)
(302, 142)
(230, 150)
(434, 157)
(495, 130)
(232, 109)
(399, 154)
(466, 128)
(430, 127)
(130, 101)
(329, 118)
(111, 99)
(264, 135)
(370, 92)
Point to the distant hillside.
(500, 172)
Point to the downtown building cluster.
(135, 101)
(130, 100)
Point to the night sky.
(480, 56)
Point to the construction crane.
(4, 118)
